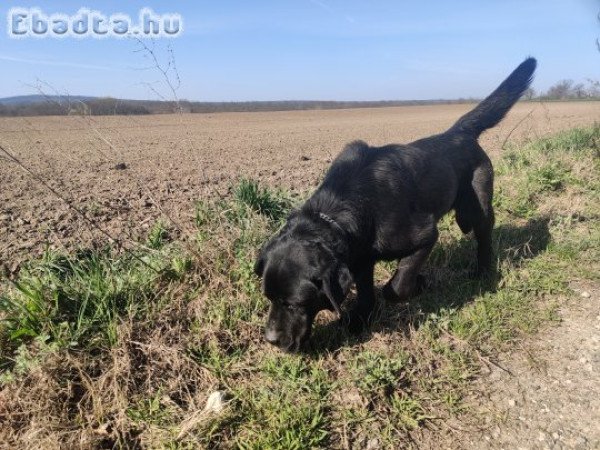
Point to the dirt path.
(551, 398)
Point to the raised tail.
(494, 107)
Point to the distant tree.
(579, 90)
(111, 106)
(561, 90)
(593, 89)
(529, 93)
(40, 109)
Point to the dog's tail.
(491, 110)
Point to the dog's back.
(432, 175)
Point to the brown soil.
(127, 172)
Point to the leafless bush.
(569, 90)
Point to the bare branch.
(172, 82)
(515, 127)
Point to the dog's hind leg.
(406, 280)
(474, 212)
(483, 186)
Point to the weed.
(282, 420)
(150, 411)
(157, 237)
(407, 412)
(375, 372)
(273, 205)
(203, 214)
(550, 177)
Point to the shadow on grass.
(449, 285)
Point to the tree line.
(58, 106)
(567, 90)
(61, 106)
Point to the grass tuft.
(78, 301)
(261, 200)
(157, 237)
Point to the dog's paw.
(488, 277)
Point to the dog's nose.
(272, 336)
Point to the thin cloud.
(57, 63)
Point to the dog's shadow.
(449, 284)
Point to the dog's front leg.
(359, 316)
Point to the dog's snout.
(272, 336)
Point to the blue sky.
(317, 49)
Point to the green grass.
(79, 298)
(569, 159)
(157, 237)
(274, 205)
(132, 344)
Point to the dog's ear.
(336, 285)
(259, 265)
(263, 254)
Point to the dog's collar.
(331, 222)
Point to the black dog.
(382, 203)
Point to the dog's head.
(300, 278)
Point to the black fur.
(382, 203)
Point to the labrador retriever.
(382, 203)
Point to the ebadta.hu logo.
(33, 22)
